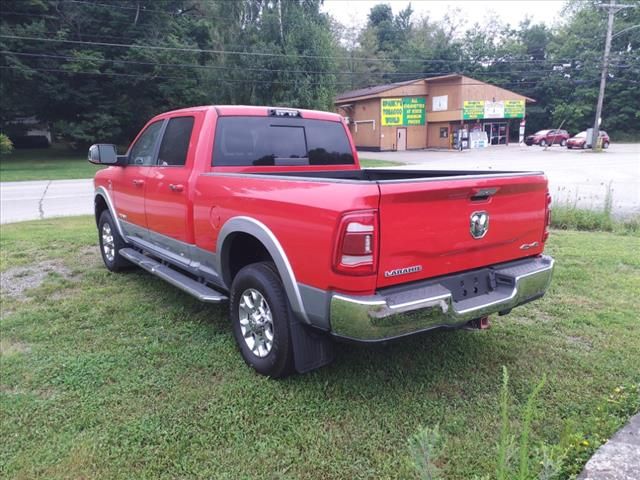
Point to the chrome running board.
(185, 283)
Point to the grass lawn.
(61, 164)
(123, 376)
(369, 163)
(45, 164)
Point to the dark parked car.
(548, 137)
(580, 140)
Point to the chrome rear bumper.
(403, 310)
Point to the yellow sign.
(402, 112)
(391, 112)
(514, 109)
(473, 109)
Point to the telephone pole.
(613, 8)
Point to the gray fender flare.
(259, 230)
(102, 192)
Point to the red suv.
(580, 140)
(548, 137)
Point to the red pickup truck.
(268, 209)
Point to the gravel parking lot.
(577, 177)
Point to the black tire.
(111, 258)
(274, 359)
(543, 143)
(563, 143)
(605, 145)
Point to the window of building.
(175, 142)
(444, 132)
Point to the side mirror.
(103, 154)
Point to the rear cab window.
(275, 141)
(175, 142)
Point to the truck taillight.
(547, 218)
(357, 244)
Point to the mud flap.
(311, 348)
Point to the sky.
(354, 12)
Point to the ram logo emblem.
(479, 224)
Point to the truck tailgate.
(425, 225)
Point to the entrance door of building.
(496, 133)
(401, 143)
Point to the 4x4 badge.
(479, 224)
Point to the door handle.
(138, 183)
(176, 187)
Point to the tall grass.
(567, 216)
(505, 444)
(529, 409)
(425, 448)
(426, 445)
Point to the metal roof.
(363, 92)
(369, 91)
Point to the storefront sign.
(472, 109)
(391, 112)
(402, 112)
(479, 109)
(413, 111)
(494, 109)
(514, 109)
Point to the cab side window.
(175, 142)
(143, 150)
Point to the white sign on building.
(440, 103)
(494, 109)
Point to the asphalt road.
(45, 199)
(577, 177)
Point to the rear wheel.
(543, 143)
(563, 143)
(605, 145)
(111, 243)
(260, 315)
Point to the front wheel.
(111, 243)
(543, 143)
(260, 315)
(605, 145)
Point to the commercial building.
(437, 112)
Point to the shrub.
(6, 146)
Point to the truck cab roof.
(255, 111)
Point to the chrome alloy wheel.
(108, 243)
(256, 322)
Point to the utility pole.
(613, 8)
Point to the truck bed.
(426, 216)
(392, 175)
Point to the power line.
(258, 54)
(270, 70)
(27, 14)
(122, 7)
(276, 82)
